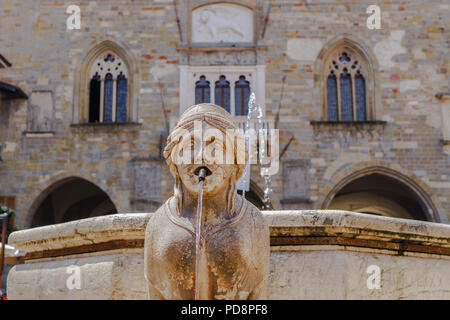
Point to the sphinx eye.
(190, 143)
(210, 141)
(219, 145)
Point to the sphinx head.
(206, 137)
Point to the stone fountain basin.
(314, 255)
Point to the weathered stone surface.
(386, 49)
(296, 176)
(327, 272)
(102, 277)
(303, 49)
(81, 232)
(206, 242)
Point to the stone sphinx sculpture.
(232, 261)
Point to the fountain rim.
(287, 228)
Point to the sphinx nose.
(198, 156)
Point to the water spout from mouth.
(202, 173)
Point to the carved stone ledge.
(445, 142)
(222, 47)
(222, 54)
(288, 227)
(105, 126)
(354, 128)
(222, 57)
(38, 134)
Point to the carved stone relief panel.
(222, 23)
(223, 58)
(40, 111)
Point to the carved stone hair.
(219, 118)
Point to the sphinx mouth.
(202, 172)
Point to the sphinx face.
(216, 182)
(205, 149)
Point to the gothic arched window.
(94, 99)
(122, 88)
(108, 89)
(241, 96)
(228, 86)
(332, 97)
(346, 87)
(222, 93)
(202, 91)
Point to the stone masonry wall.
(409, 52)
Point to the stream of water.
(255, 119)
(197, 240)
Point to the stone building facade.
(380, 145)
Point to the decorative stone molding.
(106, 125)
(38, 134)
(356, 229)
(332, 129)
(239, 55)
(223, 58)
(108, 62)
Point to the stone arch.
(372, 82)
(58, 180)
(251, 4)
(81, 87)
(431, 208)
